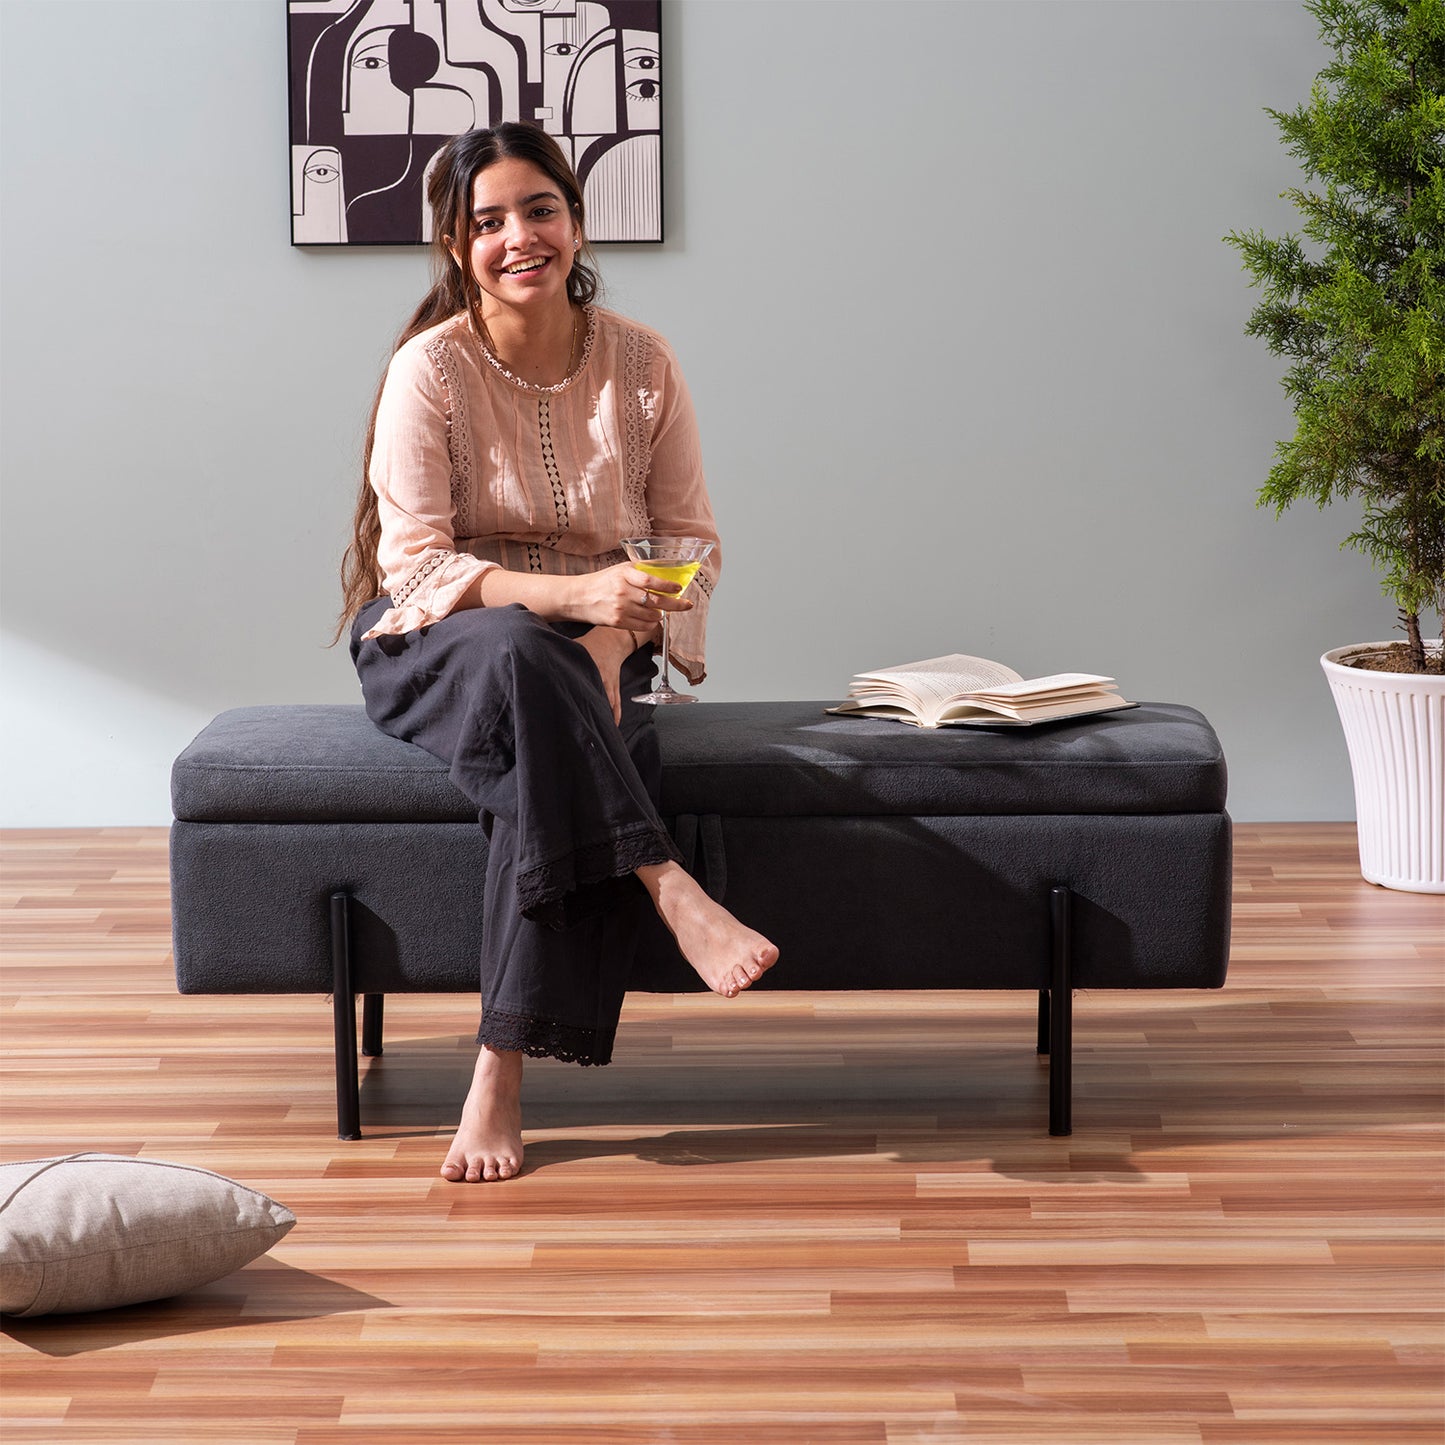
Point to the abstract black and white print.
(378, 86)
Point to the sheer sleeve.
(677, 502)
(411, 474)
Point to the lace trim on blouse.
(549, 462)
(532, 387)
(638, 417)
(433, 561)
(459, 437)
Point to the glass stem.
(666, 684)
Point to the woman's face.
(523, 237)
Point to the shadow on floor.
(265, 1292)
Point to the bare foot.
(727, 956)
(488, 1143)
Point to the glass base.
(661, 697)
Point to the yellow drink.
(680, 572)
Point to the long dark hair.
(449, 194)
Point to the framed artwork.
(378, 86)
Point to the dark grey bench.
(313, 854)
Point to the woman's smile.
(527, 267)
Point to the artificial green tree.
(1360, 309)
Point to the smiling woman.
(520, 434)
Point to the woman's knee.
(477, 634)
(491, 641)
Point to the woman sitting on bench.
(520, 433)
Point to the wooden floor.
(785, 1219)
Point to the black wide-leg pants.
(568, 799)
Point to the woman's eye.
(645, 89)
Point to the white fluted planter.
(1395, 730)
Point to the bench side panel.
(854, 903)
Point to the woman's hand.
(623, 596)
(609, 650)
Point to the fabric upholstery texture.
(327, 763)
(876, 856)
(851, 902)
(93, 1231)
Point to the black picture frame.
(378, 86)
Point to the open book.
(959, 691)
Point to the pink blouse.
(475, 469)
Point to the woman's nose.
(520, 232)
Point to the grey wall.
(948, 284)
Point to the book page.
(1032, 712)
(936, 679)
(1084, 684)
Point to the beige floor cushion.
(92, 1231)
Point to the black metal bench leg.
(1043, 1044)
(371, 1007)
(1060, 1008)
(343, 997)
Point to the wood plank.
(783, 1219)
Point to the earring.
(576, 243)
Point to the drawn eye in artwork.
(374, 104)
(567, 38)
(642, 76)
(318, 215)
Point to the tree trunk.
(1411, 623)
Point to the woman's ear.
(454, 253)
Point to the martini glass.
(672, 559)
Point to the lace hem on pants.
(560, 893)
(545, 1039)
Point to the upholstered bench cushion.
(327, 763)
(312, 854)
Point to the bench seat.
(875, 855)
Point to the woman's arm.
(619, 597)
(623, 604)
(410, 472)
